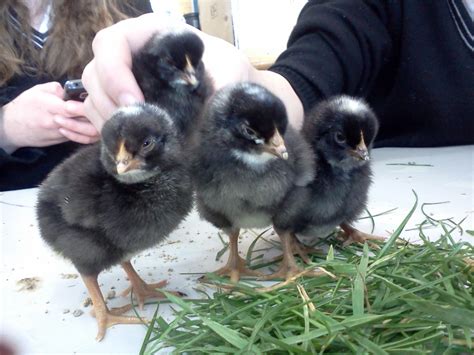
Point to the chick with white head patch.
(116, 198)
(341, 131)
(247, 159)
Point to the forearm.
(337, 47)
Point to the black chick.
(171, 74)
(341, 131)
(116, 198)
(246, 161)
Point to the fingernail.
(127, 99)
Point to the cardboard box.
(216, 18)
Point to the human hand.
(108, 77)
(77, 127)
(31, 119)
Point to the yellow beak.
(276, 146)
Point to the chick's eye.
(250, 132)
(148, 143)
(339, 138)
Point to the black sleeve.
(134, 8)
(336, 46)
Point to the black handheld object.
(74, 90)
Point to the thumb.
(110, 71)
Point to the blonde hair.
(68, 47)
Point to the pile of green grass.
(400, 298)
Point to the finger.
(93, 115)
(53, 87)
(75, 108)
(80, 127)
(98, 106)
(76, 137)
(57, 106)
(112, 57)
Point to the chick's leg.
(302, 250)
(353, 235)
(288, 267)
(105, 317)
(236, 265)
(141, 290)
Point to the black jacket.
(412, 60)
(27, 167)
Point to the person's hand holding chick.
(110, 83)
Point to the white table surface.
(35, 320)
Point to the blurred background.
(260, 28)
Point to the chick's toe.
(142, 290)
(235, 268)
(352, 235)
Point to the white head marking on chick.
(350, 105)
(136, 110)
(132, 110)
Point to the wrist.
(5, 142)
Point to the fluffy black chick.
(341, 131)
(171, 74)
(246, 161)
(116, 198)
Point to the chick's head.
(139, 142)
(254, 121)
(178, 59)
(343, 130)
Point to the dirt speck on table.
(77, 313)
(28, 284)
(87, 302)
(69, 276)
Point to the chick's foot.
(141, 290)
(302, 250)
(352, 235)
(105, 317)
(289, 269)
(236, 267)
